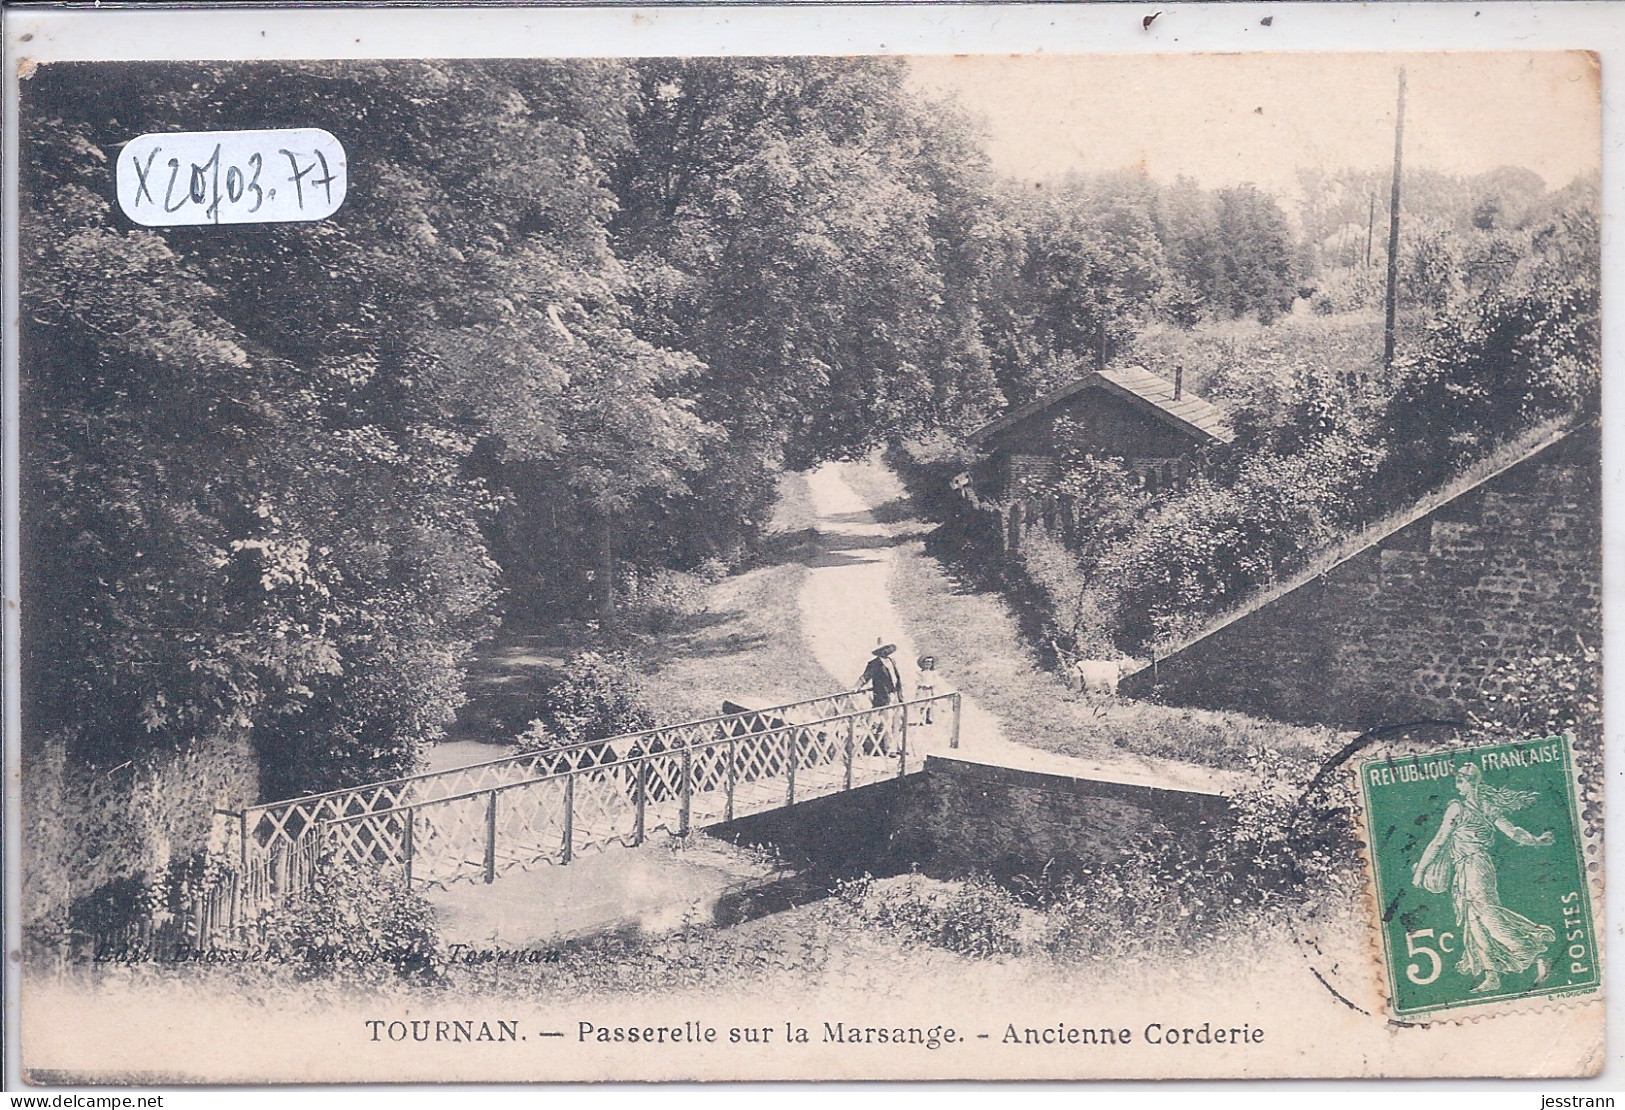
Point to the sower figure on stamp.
(885, 685)
(1494, 939)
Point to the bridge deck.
(472, 824)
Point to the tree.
(1521, 346)
(1190, 237)
(808, 232)
(1255, 261)
(253, 495)
(572, 315)
(1087, 267)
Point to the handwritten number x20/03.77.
(203, 182)
(231, 177)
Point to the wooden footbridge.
(474, 823)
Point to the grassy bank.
(977, 638)
(745, 646)
(744, 643)
(880, 487)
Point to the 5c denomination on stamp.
(1480, 876)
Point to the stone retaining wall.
(1409, 627)
(957, 817)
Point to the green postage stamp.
(1480, 873)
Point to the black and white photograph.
(810, 567)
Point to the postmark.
(1479, 871)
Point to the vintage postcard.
(809, 566)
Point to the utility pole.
(1393, 229)
(1370, 229)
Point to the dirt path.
(846, 606)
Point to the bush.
(926, 465)
(538, 737)
(114, 908)
(598, 697)
(96, 844)
(973, 917)
(357, 925)
(1520, 346)
(1350, 289)
(662, 601)
(712, 570)
(1076, 620)
(1198, 553)
(1172, 900)
(1188, 559)
(1294, 836)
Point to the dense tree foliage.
(1087, 265)
(1518, 342)
(807, 230)
(253, 498)
(1086, 270)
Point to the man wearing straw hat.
(885, 685)
(881, 677)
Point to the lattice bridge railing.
(474, 823)
(725, 774)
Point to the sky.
(1229, 118)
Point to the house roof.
(1201, 420)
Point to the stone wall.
(1408, 627)
(957, 817)
(968, 816)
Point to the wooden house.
(1156, 427)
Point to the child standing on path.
(925, 684)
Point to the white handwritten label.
(231, 177)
